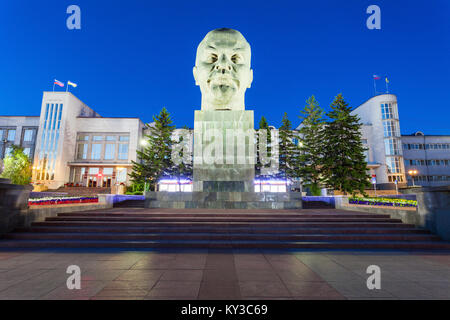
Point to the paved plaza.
(223, 274)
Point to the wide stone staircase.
(128, 227)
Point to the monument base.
(223, 200)
(224, 151)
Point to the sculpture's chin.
(223, 94)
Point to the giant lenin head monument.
(224, 136)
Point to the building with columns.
(71, 143)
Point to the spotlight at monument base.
(273, 182)
(175, 181)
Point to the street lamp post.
(412, 173)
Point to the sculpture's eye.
(236, 58)
(212, 58)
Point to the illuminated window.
(28, 135)
(82, 151)
(11, 135)
(123, 151)
(387, 111)
(391, 147)
(97, 138)
(93, 170)
(393, 165)
(27, 151)
(83, 137)
(96, 151)
(390, 128)
(110, 151)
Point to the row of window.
(97, 146)
(99, 151)
(9, 135)
(8, 151)
(429, 178)
(99, 137)
(89, 175)
(421, 162)
(399, 178)
(421, 146)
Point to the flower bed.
(61, 200)
(383, 202)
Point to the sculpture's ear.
(250, 80)
(194, 71)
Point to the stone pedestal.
(13, 202)
(223, 200)
(434, 210)
(224, 151)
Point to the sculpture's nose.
(223, 64)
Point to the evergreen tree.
(311, 145)
(17, 167)
(155, 158)
(288, 151)
(344, 166)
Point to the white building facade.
(72, 144)
(392, 156)
(427, 158)
(381, 136)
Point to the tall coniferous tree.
(344, 166)
(155, 158)
(311, 145)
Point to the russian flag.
(375, 77)
(59, 83)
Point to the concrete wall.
(434, 210)
(432, 213)
(14, 210)
(13, 203)
(409, 216)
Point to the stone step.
(200, 229)
(222, 215)
(225, 224)
(112, 218)
(403, 245)
(219, 236)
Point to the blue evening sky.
(133, 57)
